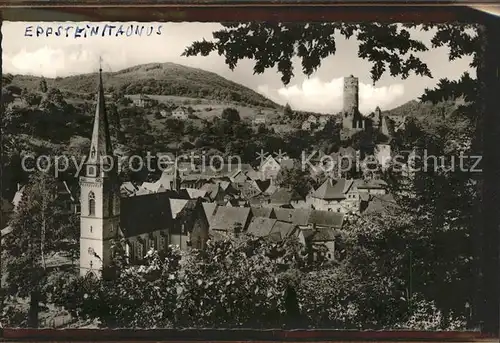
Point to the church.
(143, 222)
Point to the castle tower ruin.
(351, 95)
(352, 119)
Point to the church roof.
(145, 214)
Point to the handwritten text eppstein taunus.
(92, 30)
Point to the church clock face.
(91, 251)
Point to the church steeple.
(101, 151)
(176, 182)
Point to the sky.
(321, 92)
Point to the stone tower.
(351, 95)
(352, 119)
(99, 195)
(377, 118)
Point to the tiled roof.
(261, 227)
(284, 229)
(196, 193)
(332, 189)
(144, 214)
(294, 216)
(177, 205)
(326, 218)
(226, 218)
(210, 208)
(284, 196)
(378, 203)
(324, 235)
(264, 212)
(258, 199)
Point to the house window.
(91, 204)
(152, 243)
(161, 243)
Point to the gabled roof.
(210, 208)
(284, 229)
(145, 214)
(378, 203)
(284, 196)
(177, 205)
(226, 218)
(326, 219)
(332, 189)
(323, 235)
(261, 227)
(196, 193)
(294, 216)
(264, 212)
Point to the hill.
(420, 109)
(156, 79)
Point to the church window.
(92, 153)
(111, 228)
(91, 263)
(91, 204)
(91, 229)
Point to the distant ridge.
(156, 79)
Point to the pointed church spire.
(100, 146)
(176, 186)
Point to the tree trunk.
(488, 76)
(34, 310)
